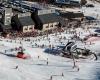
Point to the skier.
(47, 61)
(50, 77)
(38, 57)
(5, 51)
(16, 67)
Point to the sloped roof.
(26, 21)
(71, 15)
(49, 18)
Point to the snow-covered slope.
(58, 68)
(36, 68)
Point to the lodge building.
(23, 22)
(45, 20)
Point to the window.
(47, 26)
(25, 29)
(30, 28)
(56, 25)
(51, 25)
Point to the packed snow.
(58, 68)
(44, 66)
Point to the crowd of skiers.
(61, 39)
